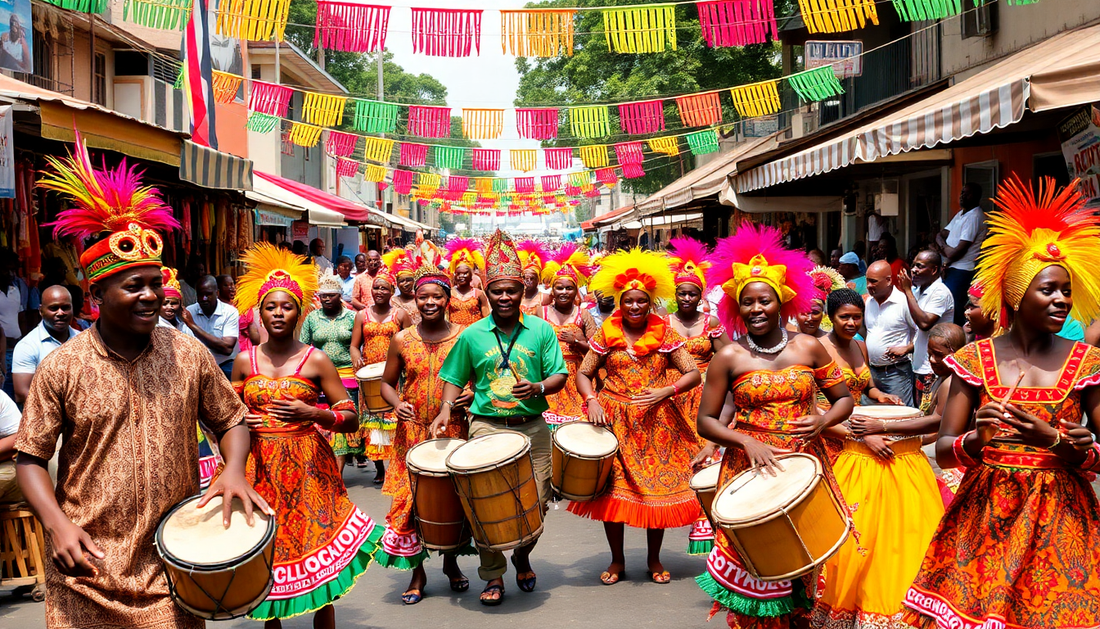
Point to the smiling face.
(170, 308)
(57, 308)
(759, 308)
(431, 301)
(809, 322)
(1047, 301)
(565, 292)
(847, 321)
(688, 297)
(405, 283)
(463, 275)
(381, 291)
(279, 314)
(504, 297)
(130, 300)
(634, 304)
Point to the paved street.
(569, 559)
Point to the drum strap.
(506, 354)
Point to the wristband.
(542, 389)
(449, 403)
(337, 418)
(590, 398)
(675, 389)
(1057, 440)
(960, 452)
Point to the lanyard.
(505, 354)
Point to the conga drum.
(705, 484)
(370, 383)
(782, 526)
(496, 483)
(213, 572)
(583, 457)
(437, 512)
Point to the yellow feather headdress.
(571, 262)
(646, 271)
(270, 269)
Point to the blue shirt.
(34, 347)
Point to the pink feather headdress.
(532, 255)
(688, 259)
(569, 261)
(465, 251)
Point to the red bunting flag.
(537, 124)
(413, 154)
(457, 184)
(525, 184)
(347, 167)
(268, 98)
(700, 110)
(486, 159)
(402, 181)
(737, 22)
(446, 32)
(430, 122)
(633, 171)
(644, 117)
(572, 190)
(607, 175)
(558, 158)
(341, 144)
(351, 27)
(551, 183)
(629, 152)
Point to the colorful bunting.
(700, 110)
(346, 167)
(737, 22)
(402, 181)
(458, 184)
(581, 179)
(375, 173)
(668, 146)
(607, 176)
(253, 20)
(589, 122)
(341, 144)
(757, 99)
(594, 156)
(558, 158)
(226, 87)
(166, 15)
(413, 155)
(640, 29)
(428, 180)
(916, 10)
(446, 32)
(259, 122)
(816, 84)
(701, 143)
(838, 16)
(525, 184)
(483, 185)
(500, 185)
(83, 6)
(482, 124)
(305, 135)
(486, 159)
(537, 33)
(374, 117)
(430, 122)
(350, 26)
(628, 152)
(323, 109)
(551, 183)
(633, 171)
(642, 117)
(537, 124)
(448, 156)
(378, 149)
(268, 98)
(524, 160)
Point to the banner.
(846, 57)
(1080, 136)
(16, 47)
(7, 154)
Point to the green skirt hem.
(700, 547)
(757, 608)
(397, 562)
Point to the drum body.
(496, 484)
(705, 485)
(213, 572)
(782, 526)
(583, 458)
(887, 412)
(370, 385)
(437, 511)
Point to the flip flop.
(608, 578)
(411, 597)
(460, 584)
(524, 580)
(492, 602)
(661, 578)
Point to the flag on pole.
(198, 82)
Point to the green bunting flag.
(84, 6)
(916, 10)
(817, 84)
(448, 156)
(702, 142)
(168, 15)
(374, 117)
(262, 123)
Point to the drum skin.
(578, 477)
(370, 385)
(705, 492)
(440, 520)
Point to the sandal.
(493, 602)
(524, 580)
(609, 578)
(459, 584)
(411, 597)
(660, 577)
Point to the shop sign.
(7, 154)
(299, 230)
(272, 219)
(846, 57)
(1080, 136)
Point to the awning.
(327, 201)
(406, 224)
(991, 99)
(206, 167)
(604, 219)
(661, 221)
(271, 195)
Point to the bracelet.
(449, 403)
(960, 452)
(675, 389)
(1057, 440)
(542, 389)
(591, 396)
(337, 418)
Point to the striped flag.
(198, 81)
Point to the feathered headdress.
(826, 279)
(634, 270)
(687, 257)
(532, 255)
(756, 254)
(465, 251)
(269, 269)
(570, 262)
(1030, 233)
(111, 201)
(399, 263)
(171, 284)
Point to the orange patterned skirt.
(566, 405)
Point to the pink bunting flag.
(486, 159)
(341, 144)
(402, 181)
(558, 158)
(629, 152)
(347, 167)
(268, 98)
(429, 122)
(551, 183)
(537, 124)
(607, 175)
(413, 154)
(446, 32)
(737, 22)
(642, 117)
(633, 171)
(525, 184)
(351, 27)
(572, 190)
(457, 184)
(594, 192)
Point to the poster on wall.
(7, 154)
(1080, 137)
(846, 57)
(15, 36)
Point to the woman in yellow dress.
(565, 273)
(468, 304)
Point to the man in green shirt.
(514, 362)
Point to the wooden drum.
(214, 572)
(782, 526)
(705, 485)
(496, 483)
(370, 385)
(583, 457)
(437, 511)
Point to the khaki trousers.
(9, 488)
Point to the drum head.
(372, 371)
(751, 495)
(487, 452)
(706, 478)
(887, 412)
(431, 455)
(198, 537)
(586, 440)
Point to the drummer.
(122, 466)
(514, 362)
(772, 376)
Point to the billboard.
(845, 56)
(16, 37)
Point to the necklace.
(768, 350)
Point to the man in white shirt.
(876, 227)
(317, 250)
(930, 302)
(889, 335)
(54, 329)
(347, 282)
(960, 243)
(215, 323)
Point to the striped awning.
(206, 167)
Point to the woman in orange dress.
(532, 257)
(401, 267)
(565, 273)
(1019, 547)
(290, 464)
(468, 304)
(773, 377)
(652, 469)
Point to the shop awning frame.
(318, 198)
(264, 192)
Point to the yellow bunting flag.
(482, 124)
(594, 156)
(375, 173)
(428, 180)
(589, 122)
(377, 149)
(837, 16)
(323, 109)
(226, 87)
(483, 185)
(668, 145)
(304, 134)
(253, 20)
(641, 29)
(524, 160)
(537, 33)
(757, 99)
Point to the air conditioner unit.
(886, 200)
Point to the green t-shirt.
(535, 356)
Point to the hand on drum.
(808, 426)
(439, 425)
(706, 453)
(762, 456)
(232, 484)
(292, 411)
(863, 426)
(405, 411)
(595, 412)
(68, 544)
(879, 445)
(889, 398)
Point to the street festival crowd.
(491, 353)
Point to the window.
(256, 71)
(288, 146)
(980, 21)
(99, 79)
(986, 175)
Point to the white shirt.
(34, 347)
(968, 226)
(888, 325)
(9, 416)
(181, 326)
(875, 226)
(224, 323)
(11, 304)
(346, 286)
(934, 299)
(323, 264)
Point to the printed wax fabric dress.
(323, 542)
(566, 405)
(858, 383)
(464, 311)
(377, 428)
(1019, 547)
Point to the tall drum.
(370, 382)
(782, 526)
(496, 483)
(705, 485)
(583, 458)
(437, 510)
(214, 572)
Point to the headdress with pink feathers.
(532, 255)
(465, 251)
(569, 261)
(688, 259)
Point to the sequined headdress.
(329, 283)
(687, 257)
(171, 284)
(501, 259)
(112, 202)
(634, 270)
(532, 255)
(1029, 233)
(756, 254)
(569, 262)
(464, 251)
(270, 269)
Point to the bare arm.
(357, 340)
(392, 373)
(21, 382)
(7, 447)
(450, 395)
